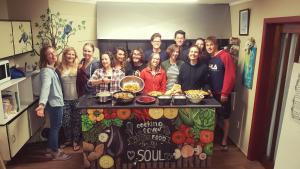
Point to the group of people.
(201, 66)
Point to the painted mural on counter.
(130, 136)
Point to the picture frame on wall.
(244, 20)
(22, 36)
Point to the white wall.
(288, 147)
(260, 9)
(141, 20)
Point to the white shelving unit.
(16, 128)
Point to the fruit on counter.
(206, 136)
(106, 161)
(175, 90)
(177, 153)
(170, 113)
(198, 149)
(178, 137)
(103, 137)
(156, 113)
(185, 117)
(187, 151)
(115, 144)
(208, 149)
(123, 114)
(87, 147)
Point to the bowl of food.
(164, 100)
(132, 84)
(155, 93)
(104, 96)
(179, 99)
(195, 98)
(123, 97)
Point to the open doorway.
(280, 48)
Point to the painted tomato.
(178, 137)
(206, 136)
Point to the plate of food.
(123, 97)
(145, 100)
(155, 93)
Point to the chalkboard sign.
(148, 141)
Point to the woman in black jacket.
(193, 75)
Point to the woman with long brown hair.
(51, 100)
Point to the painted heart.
(130, 155)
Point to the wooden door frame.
(264, 95)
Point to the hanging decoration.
(249, 63)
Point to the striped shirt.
(113, 86)
(172, 76)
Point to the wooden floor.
(31, 157)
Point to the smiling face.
(120, 56)
(211, 47)
(51, 56)
(200, 43)
(174, 54)
(88, 52)
(155, 60)
(179, 39)
(105, 61)
(156, 42)
(69, 57)
(194, 54)
(136, 56)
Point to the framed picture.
(244, 19)
(22, 36)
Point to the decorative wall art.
(249, 63)
(244, 20)
(22, 36)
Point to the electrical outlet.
(238, 124)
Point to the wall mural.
(117, 137)
(56, 31)
(249, 63)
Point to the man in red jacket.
(222, 78)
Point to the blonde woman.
(67, 71)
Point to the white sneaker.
(60, 155)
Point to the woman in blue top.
(51, 100)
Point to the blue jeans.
(55, 116)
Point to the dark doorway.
(280, 48)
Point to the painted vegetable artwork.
(104, 131)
